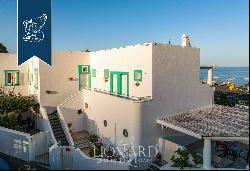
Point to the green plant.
(197, 160)
(180, 159)
(93, 138)
(8, 120)
(12, 102)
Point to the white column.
(210, 76)
(207, 154)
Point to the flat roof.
(213, 122)
(208, 67)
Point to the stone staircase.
(57, 129)
(82, 141)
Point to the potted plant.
(181, 158)
(69, 126)
(93, 138)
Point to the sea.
(237, 75)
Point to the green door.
(119, 81)
(84, 77)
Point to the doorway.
(119, 83)
(84, 77)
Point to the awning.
(213, 122)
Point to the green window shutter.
(93, 72)
(36, 77)
(106, 73)
(137, 75)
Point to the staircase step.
(84, 146)
(54, 120)
(81, 139)
(57, 129)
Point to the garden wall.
(21, 145)
(74, 159)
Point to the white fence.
(22, 145)
(62, 158)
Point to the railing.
(133, 98)
(65, 127)
(70, 97)
(46, 121)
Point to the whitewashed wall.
(120, 114)
(33, 86)
(56, 78)
(22, 145)
(124, 59)
(77, 160)
(9, 62)
(176, 87)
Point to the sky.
(220, 28)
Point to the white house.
(118, 94)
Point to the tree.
(3, 49)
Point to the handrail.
(65, 127)
(70, 97)
(45, 116)
(134, 98)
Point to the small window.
(93, 72)
(11, 77)
(30, 78)
(106, 73)
(125, 133)
(36, 78)
(85, 69)
(137, 75)
(105, 123)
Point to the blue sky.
(220, 28)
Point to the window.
(30, 78)
(11, 77)
(36, 78)
(85, 69)
(93, 72)
(106, 73)
(137, 75)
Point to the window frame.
(6, 77)
(93, 72)
(137, 79)
(107, 72)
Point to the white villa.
(142, 95)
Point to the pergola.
(210, 123)
(209, 73)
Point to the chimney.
(185, 40)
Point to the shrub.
(8, 120)
(181, 159)
(11, 102)
(93, 138)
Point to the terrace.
(223, 133)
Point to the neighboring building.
(117, 93)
